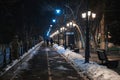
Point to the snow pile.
(30, 52)
(9, 66)
(62, 68)
(24, 66)
(59, 49)
(93, 70)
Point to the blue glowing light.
(54, 20)
(58, 11)
(48, 32)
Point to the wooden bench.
(102, 56)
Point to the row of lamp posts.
(87, 16)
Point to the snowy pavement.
(43, 64)
(93, 70)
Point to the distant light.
(89, 13)
(74, 24)
(55, 33)
(68, 24)
(93, 15)
(48, 33)
(71, 23)
(54, 20)
(83, 15)
(58, 11)
(51, 25)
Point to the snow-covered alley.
(43, 63)
(46, 64)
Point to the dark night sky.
(19, 15)
(16, 16)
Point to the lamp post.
(58, 11)
(87, 16)
(70, 32)
(58, 37)
(62, 30)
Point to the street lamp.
(51, 26)
(58, 11)
(53, 20)
(71, 24)
(87, 16)
(62, 31)
(70, 36)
